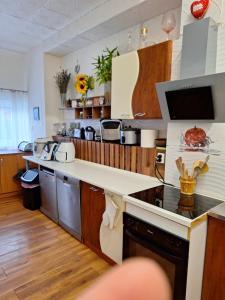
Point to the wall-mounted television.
(191, 104)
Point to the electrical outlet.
(160, 158)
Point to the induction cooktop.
(170, 199)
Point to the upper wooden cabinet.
(134, 76)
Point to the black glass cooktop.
(170, 198)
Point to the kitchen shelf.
(93, 112)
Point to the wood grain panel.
(82, 150)
(155, 66)
(139, 160)
(127, 158)
(102, 154)
(122, 157)
(90, 154)
(98, 152)
(107, 154)
(147, 161)
(117, 156)
(86, 150)
(133, 166)
(111, 155)
(214, 271)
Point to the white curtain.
(14, 118)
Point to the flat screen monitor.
(191, 104)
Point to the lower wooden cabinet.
(214, 271)
(93, 206)
(10, 164)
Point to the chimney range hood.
(197, 98)
(197, 95)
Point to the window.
(14, 118)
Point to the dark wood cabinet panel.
(154, 66)
(214, 271)
(93, 206)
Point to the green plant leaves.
(103, 65)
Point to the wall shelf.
(93, 112)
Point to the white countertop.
(114, 180)
(117, 181)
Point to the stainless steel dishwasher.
(68, 196)
(49, 205)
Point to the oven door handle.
(146, 243)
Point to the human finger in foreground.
(136, 279)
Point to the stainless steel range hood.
(216, 83)
(196, 90)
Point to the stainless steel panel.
(48, 194)
(68, 195)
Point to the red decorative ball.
(199, 8)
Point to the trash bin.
(31, 189)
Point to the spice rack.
(93, 112)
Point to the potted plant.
(82, 85)
(103, 69)
(62, 79)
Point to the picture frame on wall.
(36, 113)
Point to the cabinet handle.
(93, 189)
(140, 114)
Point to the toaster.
(110, 130)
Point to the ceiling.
(27, 23)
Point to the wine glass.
(143, 37)
(168, 23)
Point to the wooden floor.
(39, 260)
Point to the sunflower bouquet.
(83, 83)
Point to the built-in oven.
(169, 251)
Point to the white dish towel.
(109, 216)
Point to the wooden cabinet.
(214, 271)
(134, 76)
(93, 206)
(10, 164)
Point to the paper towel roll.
(148, 137)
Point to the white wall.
(53, 115)
(36, 91)
(13, 70)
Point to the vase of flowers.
(83, 84)
(103, 70)
(62, 79)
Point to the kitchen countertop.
(114, 180)
(218, 212)
(10, 151)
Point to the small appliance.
(25, 146)
(48, 151)
(130, 136)
(79, 133)
(38, 146)
(65, 152)
(110, 130)
(89, 133)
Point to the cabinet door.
(9, 168)
(93, 206)
(125, 69)
(155, 66)
(214, 271)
